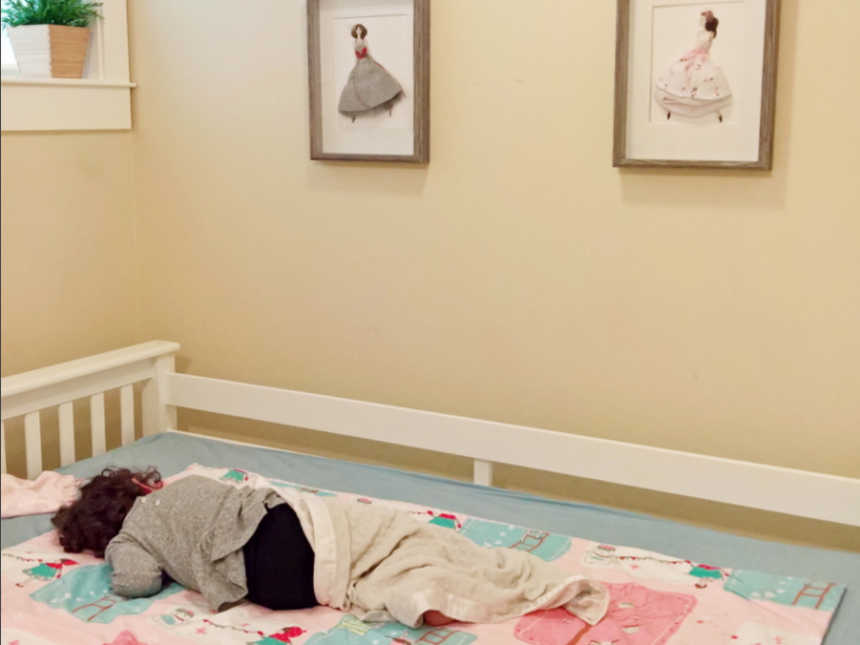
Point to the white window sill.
(74, 82)
(64, 104)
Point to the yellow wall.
(518, 276)
(69, 285)
(69, 264)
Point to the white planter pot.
(50, 50)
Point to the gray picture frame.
(620, 156)
(421, 89)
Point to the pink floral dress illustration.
(694, 85)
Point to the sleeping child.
(285, 549)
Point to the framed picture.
(695, 83)
(369, 72)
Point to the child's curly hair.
(96, 517)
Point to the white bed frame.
(784, 490)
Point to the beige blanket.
(381, 564)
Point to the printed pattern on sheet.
(54, 597)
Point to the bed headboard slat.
(126, 409)
(33, 445)
(67, 434)
(97, 424)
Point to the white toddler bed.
(796, 492)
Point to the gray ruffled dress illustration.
(370, 86)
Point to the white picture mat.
(390, 41)
(738, 49)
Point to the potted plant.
(50, 37)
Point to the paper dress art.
(694, 86)
(370, 86)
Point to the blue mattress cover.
(171, 452)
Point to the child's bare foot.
(436, 619)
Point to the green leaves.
(70, 13)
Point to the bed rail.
(773, 488)
(785, 490)
(29, 393)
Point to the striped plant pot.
(50, 50)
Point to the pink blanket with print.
(52, 597)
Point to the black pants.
(279, 562)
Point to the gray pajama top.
(193, 530)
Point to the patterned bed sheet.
(52, 597)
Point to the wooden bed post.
(157, 415)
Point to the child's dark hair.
(711, 24)
(96, 517)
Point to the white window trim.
(102, 101)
